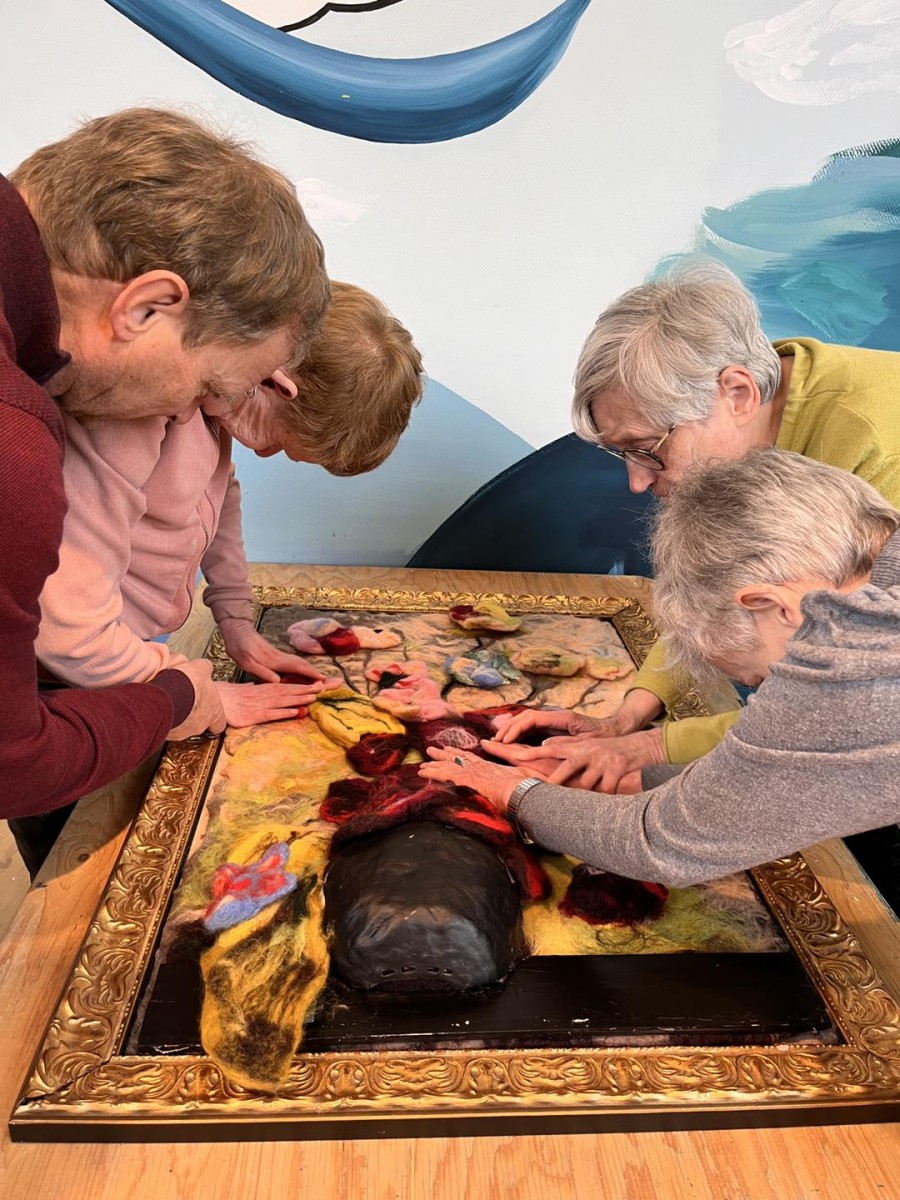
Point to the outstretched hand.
(512, 727)
(250, 650)
(638, 707)
(593, 763)
(258, 703)
(207, 714)
(490, 780)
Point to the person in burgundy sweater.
(87, 318)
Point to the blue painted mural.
(296, 512)
(821, 258)
(313, 11)
(406, 100)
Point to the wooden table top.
(850, 1162)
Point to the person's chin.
(267, 451)
(750, 679)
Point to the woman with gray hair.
(679, 370)
(782, 572)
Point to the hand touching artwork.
(250, 650)
(513, 727)
(638, 708)
(207, 714)
(595, 764)
(463, 769)
(257, 703)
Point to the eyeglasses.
(648, 459)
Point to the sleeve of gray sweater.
(815, 754)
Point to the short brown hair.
(147, 189)
(357, 387)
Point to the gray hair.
(665, 343)
(770, 517)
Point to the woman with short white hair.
(782, 572)
(678, 371)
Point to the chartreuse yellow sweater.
(842, 408)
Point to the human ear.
(145, 301)
(282, 383)
(772, 601)
(741, 391)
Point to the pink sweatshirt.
(151, 502)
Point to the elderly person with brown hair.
(677, 371)
(353, 393)
(145, 263)
(154, 502)
(781, 572)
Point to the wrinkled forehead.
(618, 419)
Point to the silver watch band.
(522, 788)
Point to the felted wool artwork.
(345, 716)
(486, 615)
(485, 668)
(408, 692)
(376, 753)
(311, 636)
(262, 976)
(360, 807)
(603, 898)
(601, 666)
(240, 892)
(463, 731)
(325, 635)
(546, 660)
(722, 917)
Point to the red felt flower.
(603, 898)
(340, 641)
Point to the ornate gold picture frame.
(82, 1086)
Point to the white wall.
(497, 249)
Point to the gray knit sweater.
(816, 754)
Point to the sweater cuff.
(180, 691)
(232, 610)
(532, 815)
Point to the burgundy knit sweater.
(56, 746)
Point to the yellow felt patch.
(605, 667)
(490, 616)
(345, 716)
(262, 977)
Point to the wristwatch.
(519, 792)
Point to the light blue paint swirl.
(380, 100)
(821, 258)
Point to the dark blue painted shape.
(377, 99)
(565, 507)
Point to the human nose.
(640, 479)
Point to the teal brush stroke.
(821, 258)
(405, 100)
